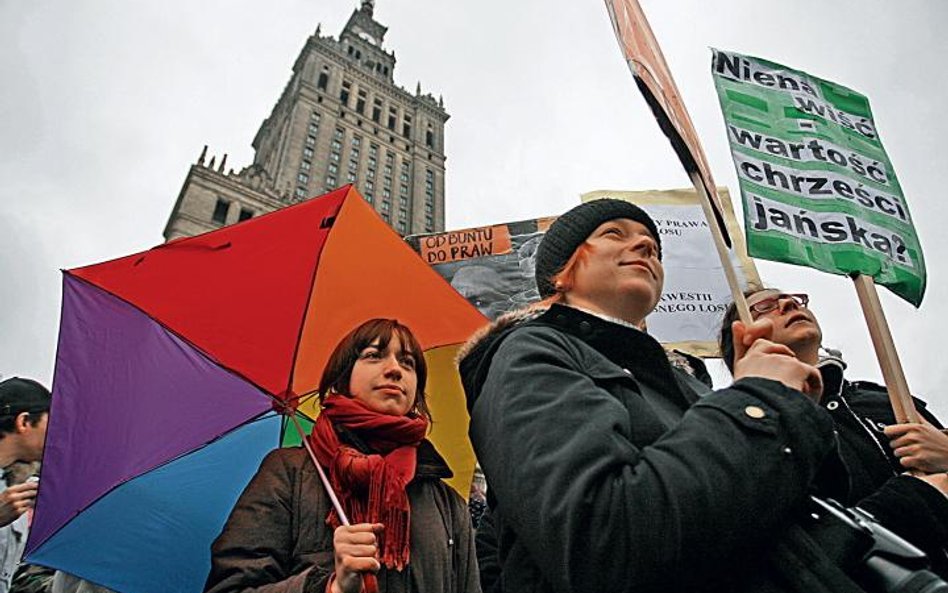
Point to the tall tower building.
(341, 119)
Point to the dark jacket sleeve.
(598, 513)
(914, 510)
(468, 578)
(488, 555)
(255, 550)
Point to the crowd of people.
(611, 464)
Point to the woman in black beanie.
(606, 471)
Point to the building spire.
(368, 6)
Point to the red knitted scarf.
(371, 487)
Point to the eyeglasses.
(770, 304)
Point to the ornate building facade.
(341, 119)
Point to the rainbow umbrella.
(174, 366)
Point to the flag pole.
(737, 295)
(654, 79)
(888, 357)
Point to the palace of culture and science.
(341, 119)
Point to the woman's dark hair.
(725, 337)
(338, 371)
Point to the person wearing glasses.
(877, 452)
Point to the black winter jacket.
(906, 505)
(607, 473)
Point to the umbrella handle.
(370, 583)
(322, 475)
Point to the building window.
(401, 226)
(323, 81)
(405, 167)
(406, 126)
(403, 213)
(305, 165)
(220, 211)
(386, 207)
(429, 224)
(388, 170)
(376, 110)
(368, 197)
(302, 178)
(314, 116)
(429, 137)
(307, 153)
(373, 150)
(369, 185)
(372, 162)
(357, 140)
(360, 102)
(370, 171)
(300, 192)
(404, 189)
(387, 182)
(333, 168)
(392, 117)
(344, 92)
(313, 128)
(330, 181)
(404, 176)
(354, 153)
(353, 164)
(390, 158)
(334, 156)
(311, 141)
(339, 134)
(351, 176)
(336, 145)
(429, 208)
(245, 214)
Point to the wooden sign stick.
(888, 357)
(723, 253)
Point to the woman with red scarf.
(409, 528)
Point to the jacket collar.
(633, 350)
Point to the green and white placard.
(817, 186)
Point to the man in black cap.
(24, 409)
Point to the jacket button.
(755, 412)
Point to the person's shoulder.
(284, 458)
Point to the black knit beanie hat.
(573, 227)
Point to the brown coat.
(276, 539)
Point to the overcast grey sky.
(106, 103)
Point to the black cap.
(572, 228)
(22, 395)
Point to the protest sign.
(654, 79)
(493, 266)
(644, 57)
(817, 186)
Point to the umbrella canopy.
(173, 365)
